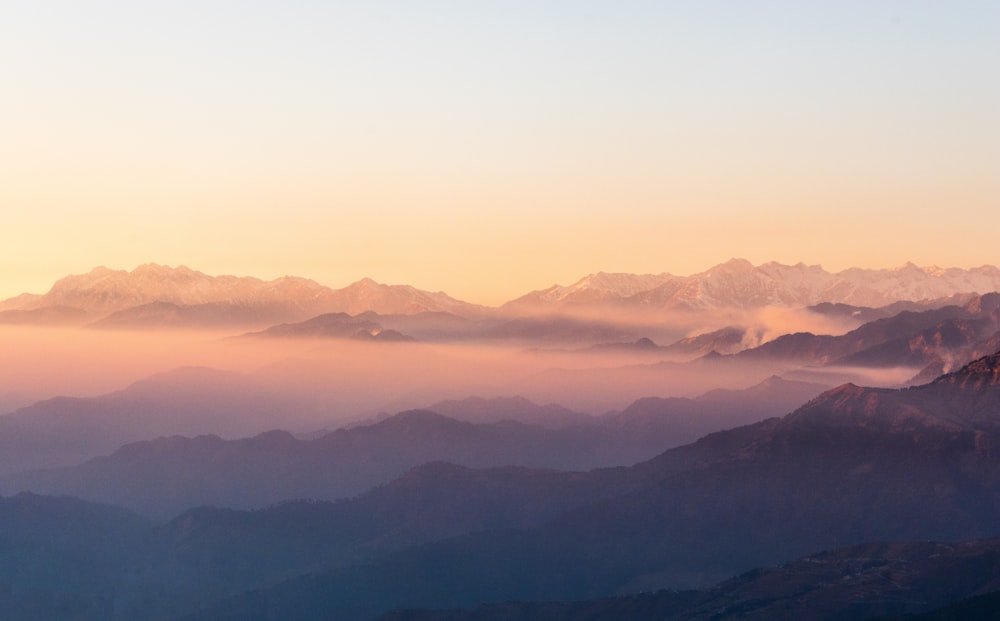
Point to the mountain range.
(334, 325)
(152, 296)
(160, 296)
(188, 400)
(852, 465)
(934, 339)
(167, 475)
(738, 284)
(65, 431)
(718, 506)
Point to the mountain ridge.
(447, 536)
(738, 284)
(102, 292)
(734, 284)
(168, 474)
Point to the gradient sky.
(490, 148)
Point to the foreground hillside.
(858, 582)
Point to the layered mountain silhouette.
(558, 329)
(165, 476)
(480, 501)
(864, 314)
(853, 465)
(209, 315)
(496, 409)
(334, 325)
(729, 339)
(937, 338)
(726, 340)
(46, 315)
(189, 400)
(889, 340)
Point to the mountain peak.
(737, 283)
(156, 269)
(964, 399)
(421, 421)
(732, 266)
(367, 294)
(976, 375)
(909, 266)
(104, 291)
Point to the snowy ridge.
(741, 285)
(102, 291)
(735, 284)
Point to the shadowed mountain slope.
(979, 608)
(189, 400)
(480, 410)
(854, 583)
(333, 325)
(165, 476)
(949, 333)
(62, 558)
(853, 465)
(45, 316)
(208, 315)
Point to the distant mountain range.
(188, 400)
(65, 431)
(666, 493)
(165, 476)
(852, 465)
(334, 325)
(936, 340)
(152, 296)
(738, 284)
(156, 296)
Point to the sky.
(491, 148)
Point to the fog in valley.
(343, 380)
